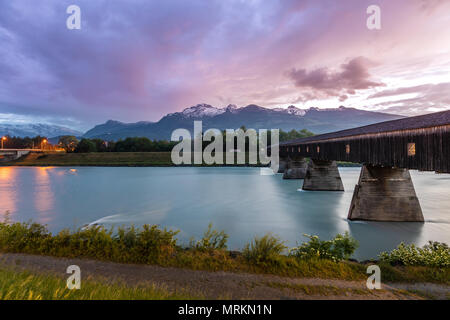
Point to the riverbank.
(108, 159)
(45, 277)
(150, 245)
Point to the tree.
(100, 145)
(85, 146)
(294, 134)
(69, 143)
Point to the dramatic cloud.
(138, 60)
(324, 83)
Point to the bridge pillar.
(282, 165)
(322, 175)
(296, 168)
(385, 194)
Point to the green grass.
(413, 274)
(151, 245)
(94, 159)
(108, 159)
(101, 159)
(320, 290)
(29, 286)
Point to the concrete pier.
(282, 165)
(296, 168)
(385, 194)
(322, 175)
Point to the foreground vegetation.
(152, 245)
(29, 286)
(433, 254)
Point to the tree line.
(23, 143)
(132, 144)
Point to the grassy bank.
(101, 159)
(105, 159)
(151, 245)
(94, 159)
(29, 286)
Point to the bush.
(265, 250)
(433, 254)
(212, 240)
(22, 237)
(337, 249)
(146, 245)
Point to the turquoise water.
(240, 201)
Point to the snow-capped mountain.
(252, 116)
(292, 110)
(38, 129)
(200, 110)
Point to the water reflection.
(387, 235)
(43, 195)
(8, 200)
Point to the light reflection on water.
(238, 200)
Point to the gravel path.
(220, 285)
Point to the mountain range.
(231, 117)
(252, 116)
(33, 130)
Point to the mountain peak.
(110, 122)
(201, 110)
(292, 110)
(231, 108)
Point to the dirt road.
(222, 285)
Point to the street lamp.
(3, 139)
(42, 143)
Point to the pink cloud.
(323, 82)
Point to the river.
(241, 201)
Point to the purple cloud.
(138, 60)
(323, 82)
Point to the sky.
(137, 60)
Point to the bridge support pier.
(296, 168)
(385, 194)
(282, 165)
(322, 175)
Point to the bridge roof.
(417, 122)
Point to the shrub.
(22, 237)
(337, 249)
(433, 254)
(146, 245)
(212, 240)
(264, 250)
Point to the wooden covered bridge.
(387, 151)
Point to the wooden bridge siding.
(386, 149)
